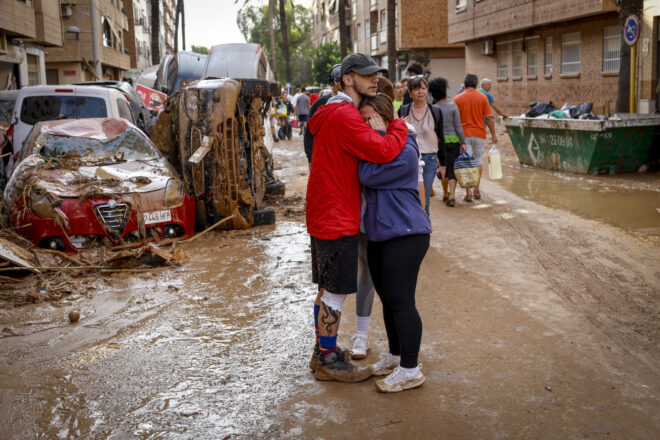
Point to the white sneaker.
(385, 365)
(401, 379)
(360, 346)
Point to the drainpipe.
(96, 41)
(633, 64)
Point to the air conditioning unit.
(67, 11)
(487, 47)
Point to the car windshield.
(128, 146)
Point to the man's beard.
(364, 91)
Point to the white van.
(46, 103)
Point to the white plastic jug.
(494, 163)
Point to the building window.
(502, 61)
(570, 53)
(358, 31)
(611, 48)
(517, 58)
(33, 69)
(461, 5)
(367, 29)
(107, 33)
(548, 56)
(532, 57)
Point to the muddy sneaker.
(401, 379)
(314, 362)
(387, 363)
(360, 346)
(333, 367)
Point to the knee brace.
(333, 300)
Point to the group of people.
(283, 108)
(372, 165)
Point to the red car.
(83, 183)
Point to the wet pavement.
(538, 323)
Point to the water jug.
(494, 163)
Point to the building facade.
(28, 28)
(648, 59)
(138, 37)
(541, 50)
(74, 61)
(421, 29)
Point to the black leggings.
(394, 265)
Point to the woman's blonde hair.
(382, 104)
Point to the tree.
(343, 30)
(271, 30)
(391, 40)
(285, 41)
(625, 8)
(325, 57)
(200, 49)
(254, 24)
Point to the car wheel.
(259, 88)
(264, 216)
(275, 188)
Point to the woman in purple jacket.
(399, 231)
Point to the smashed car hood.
(123, 177)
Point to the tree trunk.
(285, 41)
(176, 26)
(391, 40)
(271, 28)
(155, 31)
(626, 7)
(343, 30)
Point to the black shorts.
(303, 118)
(335, 264)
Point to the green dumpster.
(618, 145)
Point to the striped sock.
(317, 308)
(327, 344)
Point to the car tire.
(276, 188)
(260, 88)
(264, 216)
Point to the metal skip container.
(618, 145)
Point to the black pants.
(394, 265)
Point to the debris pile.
(542, 110)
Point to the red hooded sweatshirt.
(341, 139)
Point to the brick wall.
(514, 94)
(424, 24)
(647, 51)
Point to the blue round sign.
(631, 30)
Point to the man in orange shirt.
(474, 109)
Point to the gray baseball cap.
(335, 73)
(360, 63)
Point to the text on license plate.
(157, 217)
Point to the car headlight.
(173, 193)
(41, 206)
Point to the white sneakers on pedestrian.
(385, 365)
(401, 379)
(360, 346)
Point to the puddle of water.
(627, 201)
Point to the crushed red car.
(83, 183)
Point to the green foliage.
(253, 23)
(325, 57)
(200, 49)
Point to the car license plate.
(156, 217)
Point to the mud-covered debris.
(150, 255)
(74, 316)
(16, 255)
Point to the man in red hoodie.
(342, 138)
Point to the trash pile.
(542, 110)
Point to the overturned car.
(95, 182)
(215, 133)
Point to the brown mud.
(538, 323)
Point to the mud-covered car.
(95, 182)
(214, 133)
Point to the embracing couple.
(358, 141)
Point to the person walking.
(283, 109)
(485, 86)
(399, 234)
(414, 70)
(453, 131)
(474, 109)
(428, 122)
(341, 139)
(302, 110)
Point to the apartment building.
(648, 59)
(421, 29)
(138, 36)
(27, 29)
(541, 50)
(73, 62)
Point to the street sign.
(153, 99)
(631, 30)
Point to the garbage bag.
(539, 108)
(466, 171)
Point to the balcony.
(374, 42)
(355, 49)
(373, 5)
(383, 36)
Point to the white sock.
(410, 372)
(362, 324)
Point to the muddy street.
(539, 305)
